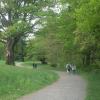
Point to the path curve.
(68, 87)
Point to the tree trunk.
(88, 58)
(10, 51)
(83, 59)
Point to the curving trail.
(68, 87)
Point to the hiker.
(68, 67)
(34, 65)
(73, 66)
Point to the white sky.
(57, 8)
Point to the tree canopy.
(69, 33)
(16, 18)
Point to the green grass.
(93, 84)
(40, 66)
(15, 82)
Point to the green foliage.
(73, 35)
(20, 51)
(16, 18)
(88, 28)
(18, 28)
(2, 47)
(59, 37)
(93, 87)
(35, 49)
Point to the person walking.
(68, 68)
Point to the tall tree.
(16, 18)
(88, 29)
(59, 37)
(35, 49)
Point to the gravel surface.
(68, 87)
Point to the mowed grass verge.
(93, 84)
(40, 66)
(15, 82)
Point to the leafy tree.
(35, 50)
(59, 37)
(2, 51)
(16, 18)
(88, 29)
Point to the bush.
(53, 65)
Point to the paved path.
(68, 87)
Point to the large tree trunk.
(10, 51)
(88, 58)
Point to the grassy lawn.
(40, 66)
(15, 82)
(93, 86)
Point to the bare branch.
(1, 27)
(3, 41)
(3, 16)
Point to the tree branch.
(1, 27)
(3, 41)
(3, 16)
